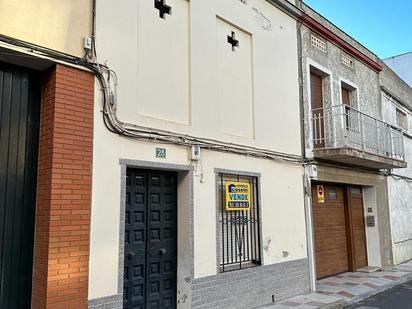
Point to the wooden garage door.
(330, 231)
(358, 228)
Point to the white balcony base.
(359, 158)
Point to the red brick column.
(60, 275)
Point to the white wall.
(400, 191)
(372, 233)
(283, 220)
(402, 65)
(180, 74)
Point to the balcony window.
(401, 119)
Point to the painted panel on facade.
(235, 79)
(164, 61)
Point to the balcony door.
(352, 119)
(316, 90)
(346, 102)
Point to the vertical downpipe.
(307, 187)
(309, 229)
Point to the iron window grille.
(239, 237)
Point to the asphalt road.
(399, 297)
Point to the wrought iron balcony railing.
(343, 127)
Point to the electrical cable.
(105, 75)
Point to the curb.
(345, 303)
(377, 291)
(339, 304)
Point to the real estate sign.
(237, 196)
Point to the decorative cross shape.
(163, 8)
(231, 39)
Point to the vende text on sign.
(237, 196)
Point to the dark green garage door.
(19, 126)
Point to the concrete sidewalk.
(348, 288)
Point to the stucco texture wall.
(360, 77)
(59, 25)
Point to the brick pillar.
(61, 255)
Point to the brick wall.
(60, 277)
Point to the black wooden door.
(19, 126)
(150, 266)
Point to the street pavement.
(399, 297)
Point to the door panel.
(150, 240)
(345, 96)
(135, 235)
(358, 230)
(162, 246)
(19, 126)
(330, 232)
(316, 90)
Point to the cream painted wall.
(282, 210)
(177, 84)
(184, 84)
(105, 222)
(60, 25)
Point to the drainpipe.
(309, 228)
(307, 186)
(94, 30)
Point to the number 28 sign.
(237, 196)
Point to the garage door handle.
(130, 255)
(162, 252)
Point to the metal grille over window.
(348, 61)
(318, 43)
(238, 235)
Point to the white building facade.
(402, 65)
(203, 98)
(396, 110)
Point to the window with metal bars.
(238, 236)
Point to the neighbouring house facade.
(204, 103)
(46, 145)
(349, 145)
(396, 98)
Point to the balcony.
(345, 135)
